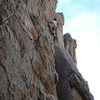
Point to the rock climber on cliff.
(53, 27)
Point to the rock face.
(70, 45)
(71, 85)
(60, 20)
(27, 64)
(70, 81)
(30, 59)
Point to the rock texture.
(70, 45)
(27, 65)
(29, 58)
(70, 80)
(71, 84)
(60, 20)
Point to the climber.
(53, 27)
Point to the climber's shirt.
(54, 23)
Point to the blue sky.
(73, 8)
(82, 21)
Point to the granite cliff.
(32, 65)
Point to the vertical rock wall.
(71, 84)
(60, 20)
(29, 56)
(70, 46)
(27, 65)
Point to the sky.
(82, 21)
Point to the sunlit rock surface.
(32, 65)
